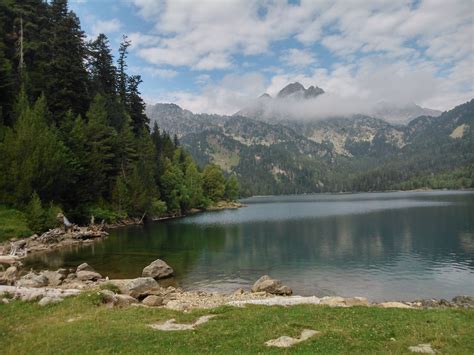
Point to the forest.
(74, 135)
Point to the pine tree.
(101, 67)
(122, 77)
(66, 73)
(136, 105)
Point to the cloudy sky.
(215, 55)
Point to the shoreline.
(58, 238)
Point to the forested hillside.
(74, 135)
(353, 153)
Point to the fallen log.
(9, 259)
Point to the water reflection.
(384, 246)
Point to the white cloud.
(298, 57)
(155, 72)
(106, 27)
(380, 49)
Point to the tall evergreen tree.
(122, 77)
(67, 76)
(136, 105)
(101, 67)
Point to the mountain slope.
(355, 153)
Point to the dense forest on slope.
(354, 153)
(74, 135)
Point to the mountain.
(346, 153)
(295, 102)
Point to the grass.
(13, 224)
(29, 328)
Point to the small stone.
(49, 300)
(158, 269)
(422, 348)
(108, 296)
(153, 301)
(269, 285)
(124, 300)
(5, 301)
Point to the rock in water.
(158, 269)
(33, 280)
(140, 286)
(273, 286)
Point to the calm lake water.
(400, 245)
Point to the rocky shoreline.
(12, 252)
(47, 287)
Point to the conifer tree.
(101, 67)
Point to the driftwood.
(9, 259)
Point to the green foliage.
(39, 218)
(106, 214)
(213, 182)
(232, 188)
(13, 224)
(77, 134)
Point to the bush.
(106, 214)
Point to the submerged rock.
(269, 285)
(158, 269)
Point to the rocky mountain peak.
(291, 89)
(298, 90)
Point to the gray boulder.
(84, 267)
(141, 286)
(33, 280)
(153, 301)
(158, 269)
(54, 278)
(108, 296)
(49, 300)
(124, 300)
(88, 276)
(269, 285)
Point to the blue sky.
(216, 55)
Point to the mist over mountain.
(295, 142)
(295, 102)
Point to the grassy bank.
(12, 224)
(79, 326)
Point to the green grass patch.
(80, 325)
(13, 224)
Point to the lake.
(384, 246)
